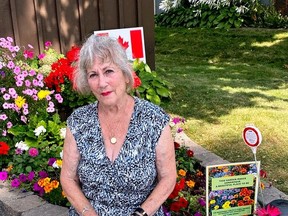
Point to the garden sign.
(130, 38)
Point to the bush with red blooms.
(60, 79)
(188, 196)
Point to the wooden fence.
(69, 22)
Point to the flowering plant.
(188, 196)
(24, 94)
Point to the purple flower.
(36, 187)
(197, 214)
(31, 176)
(3, 175)
(179, 130)
(202, 202)
(51, 161)
(22, 177)
(43, 174)
(33, 152)
(15, 183)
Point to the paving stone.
(47, 210)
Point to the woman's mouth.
(106, 93)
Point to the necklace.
(113, 140)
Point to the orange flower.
(190, 183)
(48, 188)
(55, 184)
(182, 172)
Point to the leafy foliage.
(152, 88)
(209, 14)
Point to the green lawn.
(223, 80)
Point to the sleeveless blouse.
(119, 187)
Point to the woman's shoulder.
(147, 107)
(83, 112)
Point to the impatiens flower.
(268, 211)
(20, 101)
(3, 176)
(39, 130)
(15, 183)
(4, 148)
(33, 152)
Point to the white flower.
(63, 132)
(55, 165)
(22, 145)
(39, 130)
(61, 154)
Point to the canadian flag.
(132, 39)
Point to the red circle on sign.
(256, 132)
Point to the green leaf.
(28, 169)
(163, 92)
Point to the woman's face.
(107, 82)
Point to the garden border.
(18, 203)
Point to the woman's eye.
(109, 71)
(92, 75)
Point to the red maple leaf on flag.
(125, 44)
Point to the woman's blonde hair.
(104, 49)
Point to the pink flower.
(33, 152)
(3, 176)
(268, 211)
(15, 183)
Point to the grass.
(223, 80)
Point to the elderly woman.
(118, 152)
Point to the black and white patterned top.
(119, 187)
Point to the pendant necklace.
(113, 140)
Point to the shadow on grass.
(208, 94)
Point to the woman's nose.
(102, 81)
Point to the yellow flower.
(226, 205)
(20, 101)
(216, 207)
(212, 202)
(182, 172)
(59, 163)
(190, 183)
(43, 94)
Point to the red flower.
(4, 148)
(181, 203)
(178, 187)
(189, 153)
(263, 174)
(268, 211)
(137, 81)
(73, 54)
(176, 145)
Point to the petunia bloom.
(3, 176)
(268, 211)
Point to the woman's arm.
(166, 168)
(69, 179)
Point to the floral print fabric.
(119, 187)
